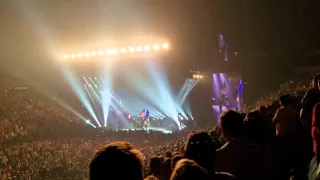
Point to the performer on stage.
(142, 122)
(144, 117)
(147, 124)
(134, 123)
(118, 124)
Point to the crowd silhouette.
(279, 139)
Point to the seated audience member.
(311, 98)
(151, 178)
(174, 161)
(189, 170)
(201, 148)
(253, 130)
(285, 118)
(269, 130)
(315, 133)
(288, 154)
(168, 154)
(236, 156)
(182, 149)
(115, 161)
(155, 168)
(215, 137)
(167, 170)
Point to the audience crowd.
(278, 140)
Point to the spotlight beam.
(75, 85)
(183, 99)
(67, 107)
(105, 98)
(166, 99)
(183, 89)
(97, 81)
(95, 94)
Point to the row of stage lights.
(197, 76)
(146, 48)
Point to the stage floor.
(166, 131)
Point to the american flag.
(224, 90)
(142, 113)
(128, 115)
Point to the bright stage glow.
(123, 50)
(109, 52)
(156, 46)
(89, 122)
(146, 48)
(131, 50)
(139, 49)
(100, 53)
(115, 51)
(93, 53)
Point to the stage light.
(109, 52)
(156, 46)
(131, 50)
(197, 76)
(93, 53)
(146, 48)
(139, 49)
(123, 50)
(100, 53)
(87, 121)
(115, 51)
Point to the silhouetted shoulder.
(224, 176)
